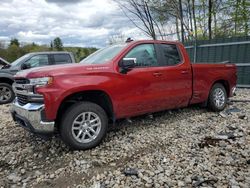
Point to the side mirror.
(25, 66)
(126, 64)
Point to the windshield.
(19, 60)
(103, 55)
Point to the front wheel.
(6, 93)
(217, 99)
(84, 125)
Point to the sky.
(85, 23)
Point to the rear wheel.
(6, 93)
(217, 98)
(84, 125)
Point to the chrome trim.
(32, 112)
(25, 91)
(132, 59)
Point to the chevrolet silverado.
(120, 81)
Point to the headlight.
(39, 82)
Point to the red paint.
(142, 90)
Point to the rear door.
(176, 77)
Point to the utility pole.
(181, 18)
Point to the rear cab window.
(170, 54)
(62, 59)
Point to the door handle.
(157, 74)
(184, 72)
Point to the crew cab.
(120, 81)
(30, 60)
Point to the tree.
(2, 45)
(78, 53)
(246, 15)
(139, 10)
(194, 19)
(14, 41)
(202, 19)
(13, 52)
(57, 44)
(51, 45)
(181, 18)
(210, 8)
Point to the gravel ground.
(189, 147)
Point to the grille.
(22, 81)
(22, 99)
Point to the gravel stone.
(188, 147)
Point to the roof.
(51, 52)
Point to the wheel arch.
(6, 80)
(223, 82)
(98, 97)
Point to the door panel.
(140, 86)
(144, 90)
(176, 79)
(153, 85)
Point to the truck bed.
(204, 75)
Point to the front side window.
(38, 61)
(20, 60)
(62, 59)
(145, 55)
(170, 54)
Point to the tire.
(6, 93)
(217, 99)
(78, 119)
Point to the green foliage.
(204, 18)
(80, 53)
(57, 44)
(14, 41)
(15, 51)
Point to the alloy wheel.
(5, 94)
(86, 127)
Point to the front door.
(140, 89)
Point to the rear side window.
(170, 54)
(145, 55)
(62, 59)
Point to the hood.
(3, 62)
(66, 69)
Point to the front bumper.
(31, 117)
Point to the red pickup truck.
(120, 81)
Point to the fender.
(62, 88)
(5, 75)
